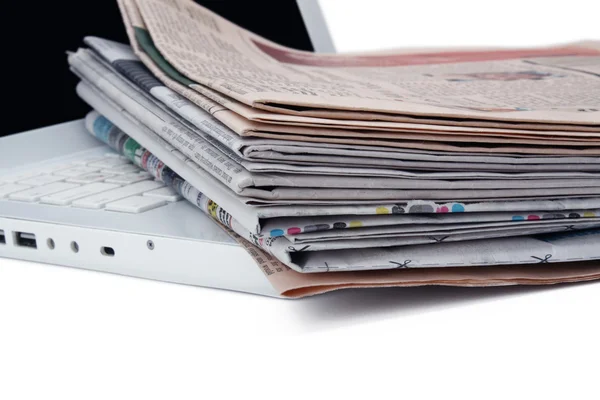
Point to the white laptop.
(67, 199)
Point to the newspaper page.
(137, 30)
(499, 85)
(152, 58)
(345, 155)
(344, 244)
(469, 146)
(442, 230)
(291, 284)
(522, 209)
(297, 226)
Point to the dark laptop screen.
(36, 78)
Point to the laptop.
(67, 199)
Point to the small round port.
(75, 247)
(50, 243)
(150, 244)
(107, 251)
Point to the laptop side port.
(2, 237)
(107, 251)
(23, 239)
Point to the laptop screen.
(279, 21)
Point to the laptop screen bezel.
(316, 25)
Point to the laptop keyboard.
(111, 183)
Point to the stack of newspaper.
(363, 161)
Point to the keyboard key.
(76, 171)
(90, 178)
(87, 161)
(33, 172)
(14, 178)
(108, 163)
(57, 167)
(9, 188)
(167, 193)
(68, 196)
(42, 180)
(100, 200)
(128, 179)
(122, 169)
(34, 194)
(135, 204)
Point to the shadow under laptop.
(355, 306)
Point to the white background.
(383, 24)
(75, 334)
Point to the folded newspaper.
(321, 256)
(470, 167)
(553, 86)
(208, 159)
(290, 283)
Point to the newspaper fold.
(549, 85)
(132, 18)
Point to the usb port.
(2, 237)
(23, 239)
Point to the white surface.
(74, 334)
(382, 24)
